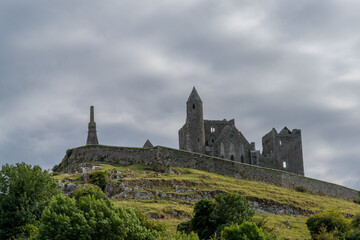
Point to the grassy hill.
(168, 195)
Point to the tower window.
(194, 106)
(284, 164)
(280, 142)
(212, 140)
(232, 157)
(212, 129)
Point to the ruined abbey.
(220, 138)
(215, 146)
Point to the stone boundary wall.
(168, 157)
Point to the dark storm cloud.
(271, 64)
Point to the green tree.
(230, 208)
(330, 221)
(201, 222)
(90, 218)
(24, 193)
(211, 217)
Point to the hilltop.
(168, 194)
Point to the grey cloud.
(267, 65)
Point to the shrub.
(211, 216)
(69, 152)
(330, 221)
(230, 208)
(84, 190)
(201, 222)
(99, 178)
(182, 236)
(246, 231)
(301, 189)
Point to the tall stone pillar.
(92, 137)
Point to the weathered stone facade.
(92, 136)
(220, 138)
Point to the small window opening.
(212, 140)
(232, 157)
(194, 106)
(207, 143)
(284, 164)
(280, 142)
(212, 129)
(242, 158)
(198, 140)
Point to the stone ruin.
(220, 138)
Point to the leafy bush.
(99, 178)
(211, 216)
(201, 223)
(182, 236)
(230, 208)
(331, 221)
(300, 189)
(69, 152)
(24, 193)
(246, 231)
(85, 190)
(90, 218)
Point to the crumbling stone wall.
(168, 157)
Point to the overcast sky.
(267, 64)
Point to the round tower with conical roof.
(192, 134)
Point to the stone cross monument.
(92, 137)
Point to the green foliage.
(69, 152)
(245, 231)
(357, 200)
(325, 235)
(149, 224)
(211, 217)
(85, 190)
(354, 233)
(90, 218)
(300, 189)
(184, 227)
(230, 208)
(24, 193)
(202, 223)
(99, 178)
(182, 236)
(330, 221)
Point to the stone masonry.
(220, 138)
(92, 136)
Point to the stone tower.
(192, 134)
(285, 150)
(92, 137)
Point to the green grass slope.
(169, 195)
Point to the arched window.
(194, 106)
(242, 158)
(284, 164)
(232, 157)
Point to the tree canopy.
(24, 193)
